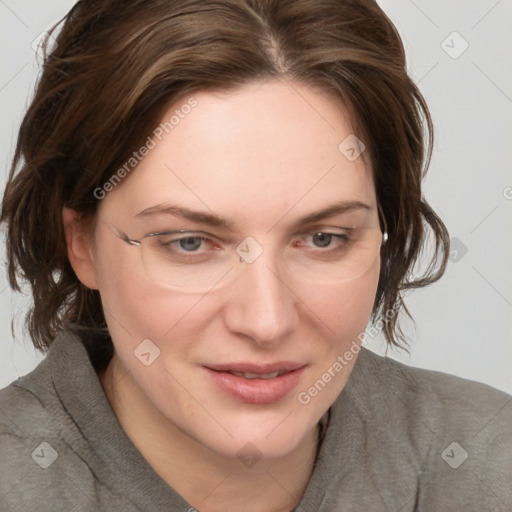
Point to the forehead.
(251, 154)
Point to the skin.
(266, 153)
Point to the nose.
(261, 303)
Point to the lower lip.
(256, 391)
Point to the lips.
(259, 369)
(256, 384)
(249, 375)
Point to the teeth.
(249, 375)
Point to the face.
(262, 158)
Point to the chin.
(269, 437)
(251, 445)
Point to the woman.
(210, 200)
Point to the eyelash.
(344, 238)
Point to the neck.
(207, 480)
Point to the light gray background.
(464, 322)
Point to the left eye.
(322, 239)
(191, 243)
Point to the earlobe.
(79, 248)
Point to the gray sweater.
(398, 439)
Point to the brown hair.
(118, 64)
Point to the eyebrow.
(212, 219)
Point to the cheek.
(342, 313)
(136, 309)
(345, 309)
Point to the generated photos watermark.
(151, 143)
(342, 361)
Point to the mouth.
(249, 375)
(255, 384)
(257, 369)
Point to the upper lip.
(256, 368)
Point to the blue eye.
(180, 244)
(325, 239)
(190, 243)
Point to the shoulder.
(31, 426)
(38, 446)
(460, 431)
(442, 397)
(29, 406)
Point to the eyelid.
(337, 233)
(205, 234)
(327, 229)
(332, 230)
(192, 232)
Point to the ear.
(79, 248)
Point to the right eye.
(180, 246)
(189, 243)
